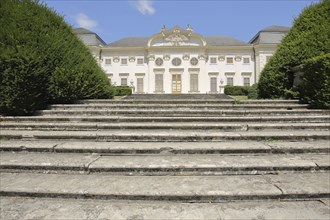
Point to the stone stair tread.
(29, 208)
(172, 147)
(209, 162)
(167, 187)
(166, 134)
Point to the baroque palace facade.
(181, 61)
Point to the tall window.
(230, 60)
(213, 84)
(140, 61)
(123, 81)
(246, 81)
(139, 88)
(159, 83)
(193, 82)
(230, 81)
(124, 61)
(108, 61)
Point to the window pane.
(246, 60)
(159, 82)
(213, 84)
(107, 61)
(213, 60)
(140, 61)
(139, 88)
(230, 60)
(124, 61)
(124, 81)
(194, 82)
(230, 81)
(246, 81)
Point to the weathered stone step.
(83, 126)
(232, 147)
(214, 119)
(174, 188)
(167, 135)
(174, 106)
(29, 208)
(185, 113)
(157, 101)
(206, 164)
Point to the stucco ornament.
(177, 36)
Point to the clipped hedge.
(122, 90)
(309, 37)
(315, 88)
(250, 91)
(42, 61)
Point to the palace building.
(180, 60)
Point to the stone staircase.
(157, 157)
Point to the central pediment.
(176, 37)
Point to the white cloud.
(85, 22)
(145, 7)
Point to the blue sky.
(241, 19)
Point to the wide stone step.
(167, 135)
(206, 164)
(174, 188)
(80, 126)
(174, 106)
(29, 208)
(185, 113)
(214, 119)
(232, 147)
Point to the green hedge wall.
(315, 88)
(122, 90)
(250, 91)
(309, 37)
(42, 61)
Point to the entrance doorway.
(176, 83)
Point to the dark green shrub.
(250, 91)
(122, 90)
(309, 37)
(315, 87)
(42, 61)
(253, 92)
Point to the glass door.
(176, 83)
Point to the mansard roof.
(89, 37)
(270, 35)
(223, 41)
(130, 42)
(210, 40)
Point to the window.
(194, 61)
(193, 82)
(176, 61)
(159, 82)
(213, 60)
(123, 81)
(140, 61)
(108, 61)
(139, 83)
(124, 61)
(230, 81)
(246, 81)
(230, 60)
(246, 60)
(213, 84)
(159, 61)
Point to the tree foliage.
(42, 61)
(309, 37)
